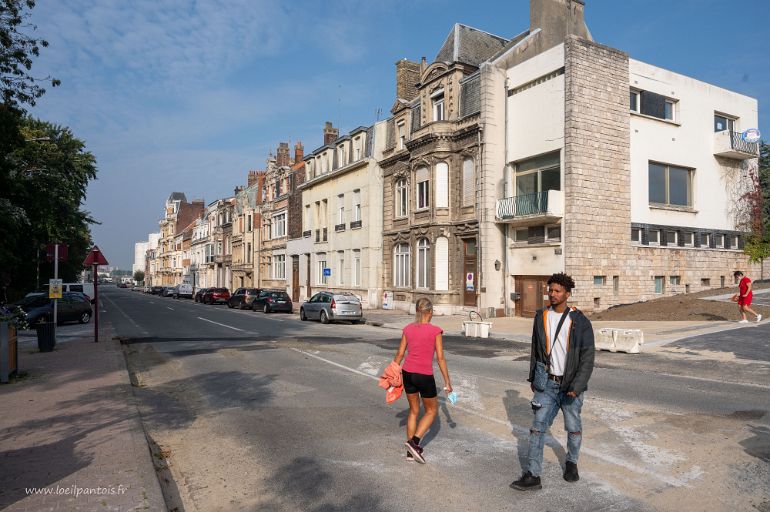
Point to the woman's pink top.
(420, 347)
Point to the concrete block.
(604, 339)
(629, 340)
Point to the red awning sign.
(95, 257)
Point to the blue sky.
(185, 95)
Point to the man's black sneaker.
(415, 450)
(571, 472)
(527, 482)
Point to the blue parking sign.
(327, 272)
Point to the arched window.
(402, 198)
(469, 182)
(442, 263)
(401, 266)
(423, 188)
(442, 185)
(423, 263)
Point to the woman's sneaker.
(415, 450)
(409, 457)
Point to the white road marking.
(550, 439)
(120, 310)
(223, 325)
(169, 307)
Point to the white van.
(182, 290)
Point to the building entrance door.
(470, 278)
(295, 278)
(531, 290)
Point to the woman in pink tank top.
(419, 341)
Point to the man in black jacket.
(563, 359)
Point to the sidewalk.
(519, 329)
(70, 426)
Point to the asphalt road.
(260, 411)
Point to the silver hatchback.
(331, 307)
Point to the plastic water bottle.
(452, 397)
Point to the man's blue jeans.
(553, 400)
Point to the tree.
(757, 199)
(17, 49)
(42, 186)
(139, 276)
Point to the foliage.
(14, 316)
(17, 49)
(139, 276)
(757, 245)
(43, 180)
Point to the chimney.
(282, 157)
(251, 178)
(407, 78)
(299, 152)
(330, 133)
(558, 19)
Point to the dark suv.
(273, 300)
(243, 297)
(198, 297)
(216, 296)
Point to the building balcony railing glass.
(730, 144)
(526, 209)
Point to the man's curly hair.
(562, 279)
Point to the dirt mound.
(685, 307)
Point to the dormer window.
(437, 100)
(401, 134)
(357, 148)
(341, 156)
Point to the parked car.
(216, 296)
(86, 289)
(183, 290)
(198, 297)
(72, 307)
(330, 307)
(168, 291)
(243, 297)
(122, 285)
(156, 290)
(273, 300)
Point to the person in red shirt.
(745, 296)
(419, 341)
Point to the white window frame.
(437, 103)
(719, 241)
(279, 222)
(662, 281)
(356, 270)
(401, 129)
(637, 102)
(689, 238)
(548, 237)
(600, 280)
(402, 265)
(357, 148)
(341, 209)
(674, 280)
(279, 266)
(672, 104)
(402, 198)
(320, 265)
(670, 232)
(342, 156)
(649, 238)
(423, 264)
(356, 205)
(422, 189)
(730, 122)
(340, 268)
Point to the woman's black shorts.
(419, 383)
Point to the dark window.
(670, 185)
(653, 104)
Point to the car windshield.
(218, 290)
(279, 295)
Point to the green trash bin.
(46, 336)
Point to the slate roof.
(177, 196)
(469, 45)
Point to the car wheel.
(302, 314)
(241, 304)
(208, 301)
(266, 309)
(229, 304)
(324, 317)
(85, 318)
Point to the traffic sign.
(95, 257)
(327, 272)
